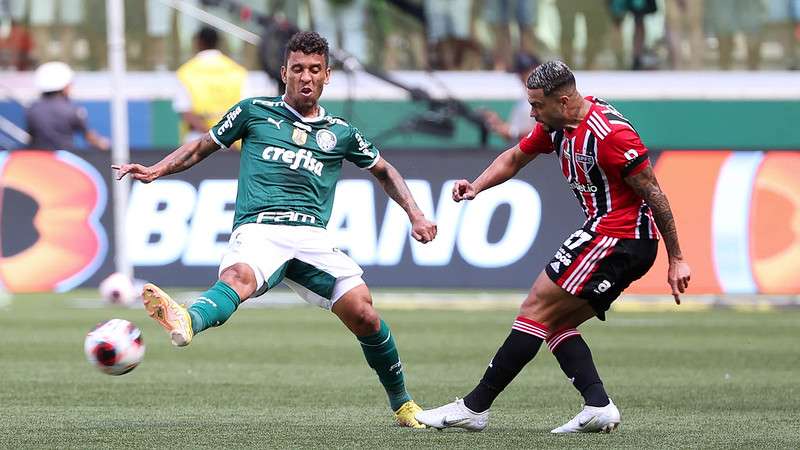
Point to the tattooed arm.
(645, 184)
(395, 186)
(181, 159)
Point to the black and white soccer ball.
(114, 347)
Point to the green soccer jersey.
(289, 164)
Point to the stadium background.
(719, 371)
(724, 146)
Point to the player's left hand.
(423, 230)
(678, 277)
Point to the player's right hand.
(136, 171)
(678, 277)
(463, 190)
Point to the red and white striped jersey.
(595, 158)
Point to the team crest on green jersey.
(326, 140)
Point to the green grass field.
(295, 378)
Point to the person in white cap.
(54, 119)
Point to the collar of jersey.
(300, 116)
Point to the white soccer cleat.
(593, 419)
(454, 415)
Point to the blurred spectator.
(596, 17)
(343, 23)
(53, 120)
(209, 83)
(404, 43)
(684, 18)
(15, 45)
(782, 19)
(727, 18)
(795, 12)
(449, 39)
(519, 121)
(638, 8)
(159, 30)
(499, 14)
(55, 41)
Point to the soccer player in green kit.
(291, 159)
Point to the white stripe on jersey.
(638, 222)
(602, 121)
(595, 128)
(606, 187)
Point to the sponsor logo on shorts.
(603, 286)
(285, 216)
(564, 257)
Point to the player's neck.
(579, 112)
(307, 111)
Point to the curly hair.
(308, 42)
(550, 77)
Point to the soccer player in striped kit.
(606, 165)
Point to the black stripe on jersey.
(556, 137)
(573, 173)
(632, 164)
(644, 221)
(596, 178)
(612, 116)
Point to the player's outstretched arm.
(181, 159)
(499, 171)
(395, 186)
(645, 184)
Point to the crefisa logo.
(50, 218)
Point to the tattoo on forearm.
(397, 189)
(189, 154)
(646, 185)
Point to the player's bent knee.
(367, 320)
(240, 278)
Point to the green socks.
(381, 354)
(214, 307)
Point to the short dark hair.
(308, 42)
(207, 38)
(550, 77)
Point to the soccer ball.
(118, 289)
(115, 347)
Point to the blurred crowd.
(427, 34)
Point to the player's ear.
(283, 74)
(327, 74)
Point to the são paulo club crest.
(585, 162)
(326, 140)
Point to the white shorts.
(304, 258)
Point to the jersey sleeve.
(233, 125)
(625, 153)
(360, 151)
(537, 141)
